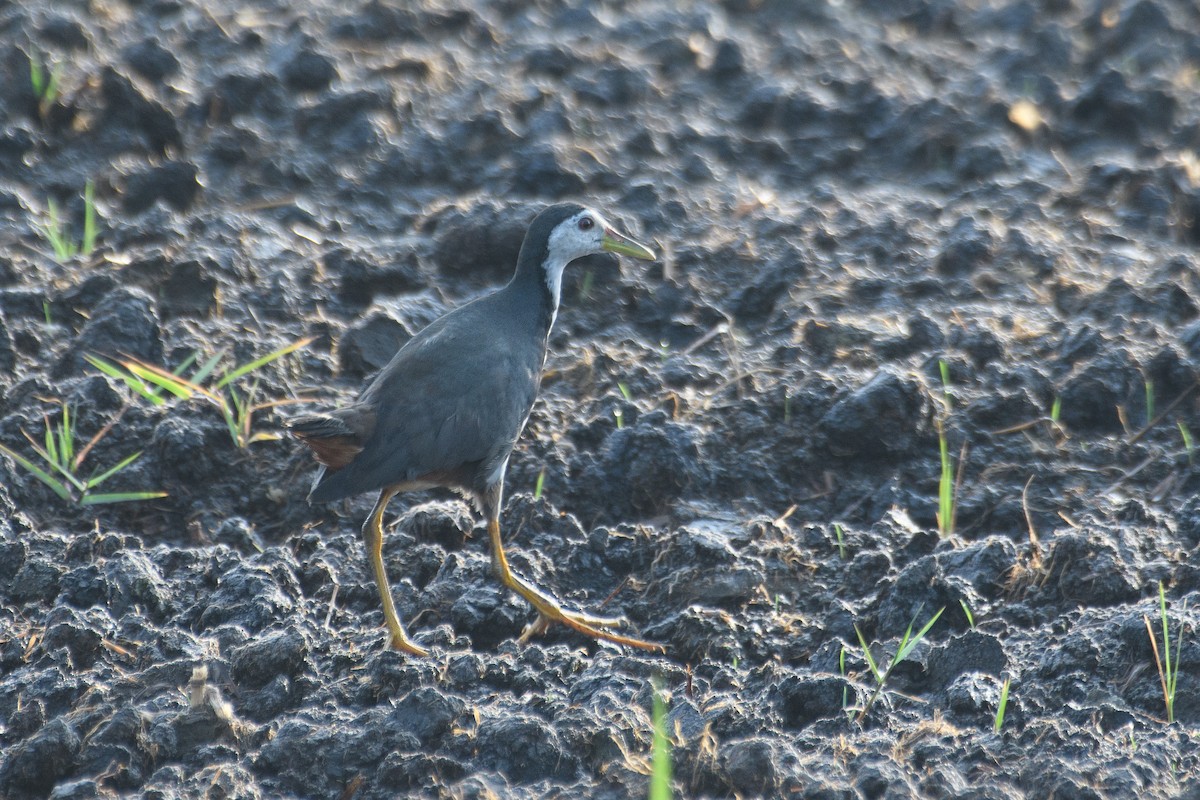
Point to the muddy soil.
(881, 223)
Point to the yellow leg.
(549, 609)
(373, 538)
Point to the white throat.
(553, 270)
(574, 237)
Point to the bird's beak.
(616, 242)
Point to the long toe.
(407, 645)
(550, 609)
(587, 625)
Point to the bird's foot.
(587, 624)
(403, 643)
(550, 610)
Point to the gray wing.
(448, 409)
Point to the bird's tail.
(333, 442)
(317, 426)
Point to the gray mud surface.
(846, 194)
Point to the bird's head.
(578, 231)
(567, 231)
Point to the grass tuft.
(153, 392)
(44, 82)
(59, 451)
(841, 539)
(54, 228)
(907, 643)
(1168, 671)
(237, 409)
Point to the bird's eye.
(586, 224)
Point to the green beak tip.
(620, 243)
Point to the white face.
(574, 237)
(577, 236)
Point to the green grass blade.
(108, 473)
(1162, 612)
(907, 645)
(55, 232)
(1186, 433)
(900, 648)
(242, 410)
(52, 88)
(135, 383)
(945, 487)
(37, 77)
(187, 362)
(967, 610)
(1175, 667)
(230, 377)
(944, 368)
(660, 753)
(37, 472)
(89, 218)
(240, 402)
(60, 468)
(845, 689)
(180, 387)
(1170, 675)
(1003, 705)
(206, 369)
(227, 413)
(66, 438)
(119, 497)
(51, 451)
(248, 398)
(867, 654)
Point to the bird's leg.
(373, 538)
(549, 609)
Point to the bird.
(448, 408)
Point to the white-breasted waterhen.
(447, 409)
